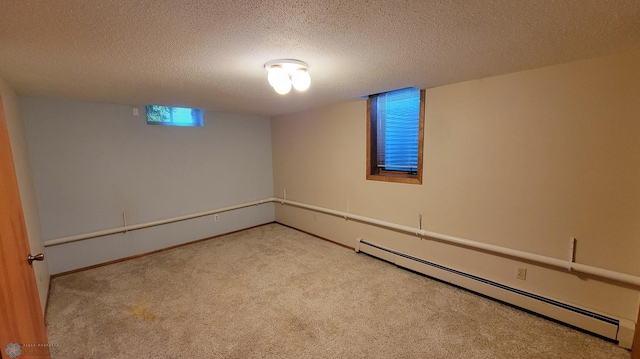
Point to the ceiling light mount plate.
(288, 64)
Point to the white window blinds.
(398, 123)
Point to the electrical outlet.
(216, 217)
(521, 273)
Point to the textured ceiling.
(210, 54)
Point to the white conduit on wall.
(558, 263)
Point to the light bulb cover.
(277, 76)
(283, 88)
(301, 79)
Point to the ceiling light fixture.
(282, 74)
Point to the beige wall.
(25, 183)
(526, 161)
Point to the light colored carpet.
(275, 292)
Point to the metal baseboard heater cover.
(617, 330)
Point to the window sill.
(396, 177)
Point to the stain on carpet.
(141, 310)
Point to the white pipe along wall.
(558, 263)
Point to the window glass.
(173, 116)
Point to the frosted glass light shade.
(277, 77)
(301, 79)
(283, 88)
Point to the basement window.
(395, 136)
(173, 116)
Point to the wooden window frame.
(376, 174)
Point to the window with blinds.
(395, 138)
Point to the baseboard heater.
(616, 330)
